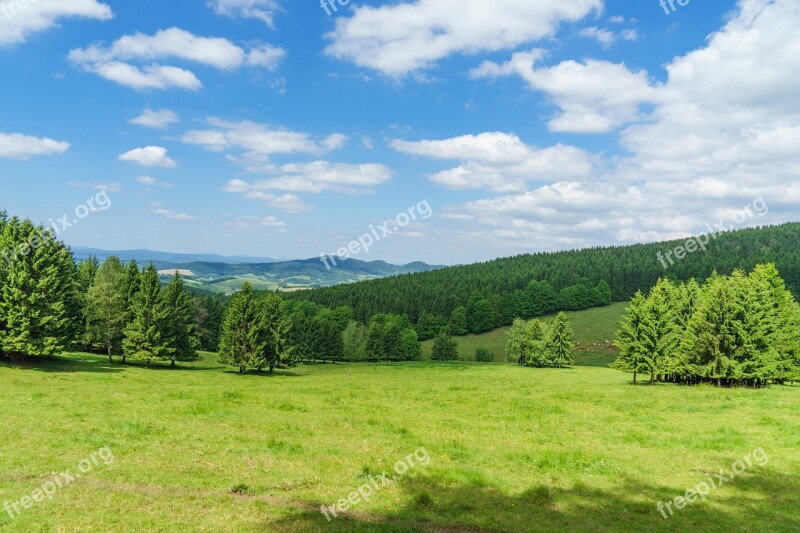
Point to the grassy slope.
(593, 327)
(511, 449)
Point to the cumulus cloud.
(157, 119)
(149, 156)
(153, 182)
(172, 215)
(608, 37)
(263, 10)
(400, 38)
(115, 62)
(19, 146)
(723, 133)
(498, 161)
(18, 22)
(594, 96)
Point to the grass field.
(201, 448)
(594, 329)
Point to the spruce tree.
(148, 335)
(662, 339)
(105, 307)
(444, 347)
(560, 349)
(182, 322)
(632, 339)
(243, 339)
(34, 296)
(277, 351)
(355, 338)
(132, 277)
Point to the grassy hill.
(510, 449)
(593, 328)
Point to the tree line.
(733, 330)
(539, 344)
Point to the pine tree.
(181, 322)
(105, 306)
(148, 335)
(631, 339)
(354, 339)
(662, 339)
(277, 352)
(243, 337)
(35, 292)
(132, 277)
(559, 342)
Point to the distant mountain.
(145, 256)
(225, 275)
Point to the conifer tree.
(148, 335)
(37, 278)
(181, 322)
(132, 277)
(535, 348)
(632, 340)
(277, 352)
(354, 339)
(105, 306)
(243, 339)
(560, 342)
(662, 339)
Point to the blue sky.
(270, 128)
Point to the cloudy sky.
(287, 129)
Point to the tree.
(662, 340)
(516, 340)
(37, 275)
(444, 347)
(480, 315)
(559, 342)
(410, 347)
(181, 321)
(355, 339)
(429, 325)
(393, 342)
(329, 344)
(132, 278)
(458, 321)
(243, 337)
(482, 355)
(631, 339)
(209, 311)
(535, 348)
(105, 307)
(277, 350)
(147, 336)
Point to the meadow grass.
(201, 448)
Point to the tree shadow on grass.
(71, 363)
(768, 500)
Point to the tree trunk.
(173, 363)
(634, 378)
(110, 360)
(123, 359)
(271, 368)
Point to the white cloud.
(19, 146)
(258, 142)
(149, 156)
(17, 23)
(594, 97)
(250, 222)
(497, 161)
(607, 37)
(723, 132)
(115, 62)
(263, 10)
(153, 182)
(172, 215)
(401, 38)
(97, 186)
(158, 119)
(290, 203)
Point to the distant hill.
(225, 275)
(625, 268)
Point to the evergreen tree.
(355, 339)
(661, 335)
(559, 342)
(444, 347)
(393, 342)
(244, 330)
(410, 347)
(105, 307)
(132, 279)
(37, 278)
(535, 347)
(277, 351)
(632, 340)
(181, 323)
(148, 335)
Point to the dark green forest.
(506, 283)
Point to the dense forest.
(624, 269)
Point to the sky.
(451, 131)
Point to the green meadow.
(201, 448)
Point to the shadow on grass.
(69, 363)
(765, 500)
